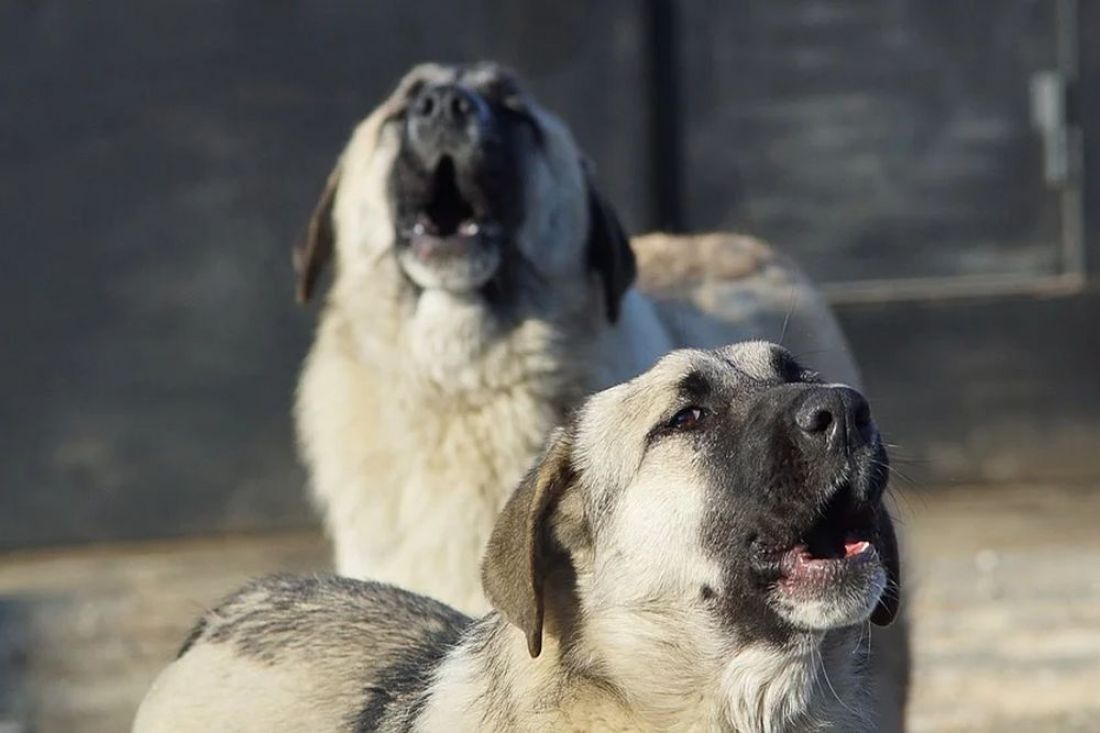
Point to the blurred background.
(928, 163)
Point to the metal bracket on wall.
(1054, 116)
(1050, 115)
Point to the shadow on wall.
(14, 637)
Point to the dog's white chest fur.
(413, 451)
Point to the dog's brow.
(741, 373)
(745, 373)
(785, 366)
(694, 386)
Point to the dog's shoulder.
(669, 264)
(329, 650)
(717, 288)
(284, 614)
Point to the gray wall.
(877, 140)
(159, 159)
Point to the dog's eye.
(687, 417)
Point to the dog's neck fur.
(454, 347)
(419, 411)
(773, 690)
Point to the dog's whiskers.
(787, 318)
(819, 662)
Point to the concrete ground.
(1004, 594)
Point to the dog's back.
(717, 288)
(304, 654)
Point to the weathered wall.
(158, 162)
(159, 159)
(876, 140)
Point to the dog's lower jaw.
(464, 275)
(849, 608)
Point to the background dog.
(482, 287)
(698, 549)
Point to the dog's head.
(721, 498)
(473, 188)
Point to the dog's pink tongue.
(856, 548)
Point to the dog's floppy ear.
(311, 258)
(887, 608)
(609, 252)
(515, 564)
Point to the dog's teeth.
(469, 228)
(856, 548)
(418, 230)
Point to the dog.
(482, 286)
(697, 549)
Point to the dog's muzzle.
(449, 234)
(829, 560)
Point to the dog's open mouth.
(448, 225)
(841, 539)
(450, 241)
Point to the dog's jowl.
(697, 549)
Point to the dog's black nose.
(447, 105)
(837, 415)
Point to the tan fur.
(296, 698)
(416, 415)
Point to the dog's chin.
(456, 264)
(832, 574)
(819, 594)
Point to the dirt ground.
(1004, 594)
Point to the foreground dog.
(698, 549)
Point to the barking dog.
(698, 549)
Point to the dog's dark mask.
(799, 475)
(456, 188)
(796, 515)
